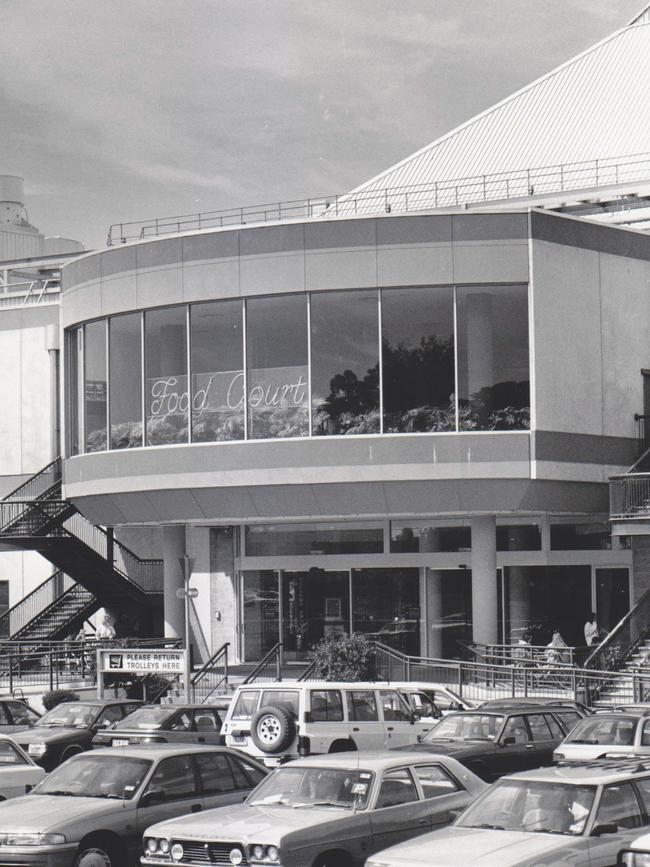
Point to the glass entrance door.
(260, 613)
(314, 604)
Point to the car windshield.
(70, 714)
(466, 727)
(521, 805)
(146, 718)
(96, 776)
(611, 730)
(314, 787)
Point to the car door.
(398, 720)
(399, 811)
(206, 726)
(514, 749)
(222, 783)
(546, 734)
(618, 805)
(179, 729)
(172, 790)
(18, 775)
(442, 794)
(364, 726)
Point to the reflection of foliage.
(96, 440)
(218, 426)
(351, 405)
(417, 384)
(167, 429)
(279, 422)
(421, 418)
(127, 435)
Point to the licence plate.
(239, 739)
(120, 742)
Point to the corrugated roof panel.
(594, 107)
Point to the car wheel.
(272, 729)
(333, 859)
(94, 857)
(71, 751)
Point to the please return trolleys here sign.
(129, 661)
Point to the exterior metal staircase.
(93, 569)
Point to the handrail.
(307, 673)
(53, 469)
(514, 184)
(275, 653)
(26, 601)
(205, 669)
(628, 630)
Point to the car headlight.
(28, 838)
(261, 854)
(37, 749)
(157, 846)
(636, 859)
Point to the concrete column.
(173, 548)
(518, 601)
(52, 347)
(480, 344)
(484, 580)
(223, 596)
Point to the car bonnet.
(40, 813)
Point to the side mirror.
(153, 796)
(608, 828)
(420, 738)
(506, 742)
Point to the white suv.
(280, 721)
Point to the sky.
(133, 109)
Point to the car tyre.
(95, 857)
(71, 751)
(272, 729)
(333, 859)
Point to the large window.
(426, 360)
(217, 368)
(125, 352)
(345, 363)
(386, 606)
(270, 540)
(493, 365)
(166, 395)
(278, 371)
(418, 360)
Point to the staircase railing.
(39, 484)
(35, 603)
(308, 672)
(32, 517)
(267, 667)
(623, 638)
(211, 676)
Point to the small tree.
(344, 657)
(58, 696)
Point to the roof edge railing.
(457, 192)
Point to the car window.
(516, 728)
(362, 706)
(254, 774)
(393, 706)
(109, 715)
(553, 724)
(397, 787)
(206, 720)
(326, 705)
(129, 708)
(21, 714)
(568, 718)
(175, 776)
(645, 735)
(538, 727)
(240, 778)
(9, 755)
(4, 719)
(246, 704)
(181, 723)
(435, 781)
(215, 773)
(421, 702)
(643, 787)
(288, 698)
(619, 806)
(603, 730)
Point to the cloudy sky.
(131, 109)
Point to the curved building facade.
(400, 425)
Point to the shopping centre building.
(395, 411)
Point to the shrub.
(344, 657)
(58, 696)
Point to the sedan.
(18, 773)
(69, 729)
(16, 715)
(173, 724)
(492, 743)
(325, 811)
(92, 810)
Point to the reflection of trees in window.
(351, 407)
(280, 421)
(503, 406)
(418, 385)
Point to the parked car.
(430, 701)
(331, 811)
(16, 715)
(18, 773)
(69, 729)
(492, 743)
(92, 810)
(606, 734)
(637, 855)
(174, 724)
(537, 700)
(279, 721)
(580, 815)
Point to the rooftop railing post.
(51, 661)
(11, 675)
(460, 680)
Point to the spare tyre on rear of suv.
(273, 728)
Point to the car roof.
(102, 702)
(368, 761)
(506, 709)
(182, 706)
(633, 713)
(154, 751)
(586, 773)
(320, 684)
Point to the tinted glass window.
(166, 394)
(125, 344)
(362, 706)
(539, 727)
(278, 370)
(246, 704)
(556, 731)
(516, 728)
(568, 718)
(216, 775)
(4, 719)
(239, 776)
(254, 773)
(9, 755)
(345, 362)
(175, 776)
(393, 706)
(397, 787)
(435, 781)
(95, 385)
(326, 705)
(619, 806)
(21, 714)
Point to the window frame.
(409, 772)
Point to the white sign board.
(127, 661)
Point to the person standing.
(106, 630)
(592, 630)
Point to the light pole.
(186, 594)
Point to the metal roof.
(593, 107)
